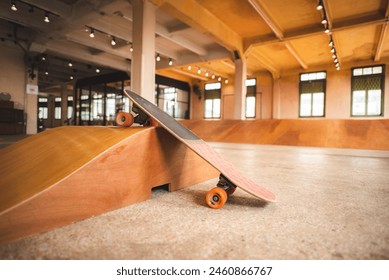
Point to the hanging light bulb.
(213, 76)
(46, 19)
(219, 79)
(170, 62)
(158, 58)
(92, 33)
(113, 41)
(70, 64)
(97, 70)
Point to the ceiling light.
(70, 64)
(319, 6)
(226, 81)
(43, 57)
(334, 56)
(170, 62)
(336, 60)
(331, 43)
(199, 71)
(92, 33)
(46, 19)
(324, 21)
(113, 41)
(131, 48)
(337, 64)
(13, 7)
(213, 76)
(327, 31)
(97, 70)
(46, 73)
(206, 74)
(333, 50)
(71, 77)
(189, 67)
(219, 79)
(338, 68)
(158, 58)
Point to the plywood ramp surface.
(71, 173)
(358, 134)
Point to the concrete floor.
(332, 204)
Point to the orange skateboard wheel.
(124, 119)
(216, 198)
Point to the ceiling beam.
(53, 6)
(268, 64)
(258, 6)
(382, 38)
(193, 14)
(186, 73)
(179, 40)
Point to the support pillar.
(240, 89)
(143, 56)
(31, 104)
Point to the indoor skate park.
(293, 94)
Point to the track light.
(334, 56)
(43, 57)
(333, 50)
(170, 62)
(97, 70)
(131, 48)
(13, 7)
(199, 71)
(213, 76)
(206, 74)
(226, 81)
(319, 6)
(324, 21)
(331, 43)
(189, 67)
(158, 58)
(219, 79)
(70, 64)
(46, 19)
(92, 33)
(327, 30)
(113, 41)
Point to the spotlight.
(113, 41)
(97, 70)
(189, 67)
(333, 50)
(131, 48)
(43, 57)
(213, 76)
(331, 43)
(70, 64)
(46, 19)
(170, 62)
(226, 81)
(92, 33)
(13, 7)
(199, 71)
(219, 79)
(324, 21)
(319, 6)
(158, 58)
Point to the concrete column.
(240, 89)
(143, 56)
(276, 112)
(31, 105)
(64, 102)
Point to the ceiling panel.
(350, 9)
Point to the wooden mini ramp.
(71, 173)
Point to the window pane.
(367, 71)
(251, 82)
(357, 72)
(321, 75)
(250, 107)
(213, 86)
(377, 70)
(359, 103)
(318, 104)
(305, 105)
(216, 108)
(57, 113)
(304, 77)
(208, 108)
(374, 102)
(312, 76)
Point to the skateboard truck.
(141, 117)
(218, 196)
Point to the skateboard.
(230, 177)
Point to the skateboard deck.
(230, 176)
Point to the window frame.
(382, 84)
(301, 82)
(219, 93)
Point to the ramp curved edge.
(72, 173)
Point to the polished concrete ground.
(332, 204)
